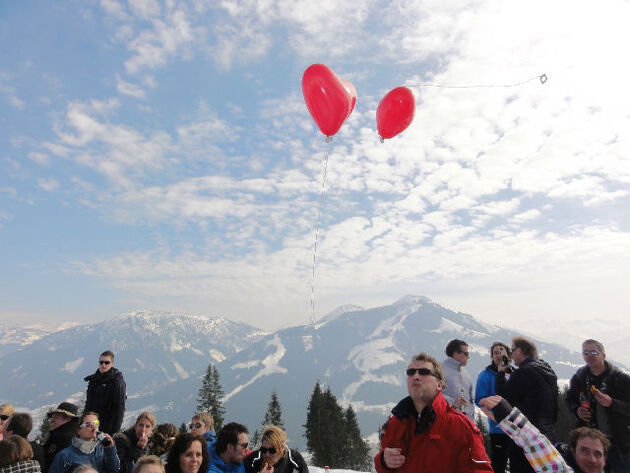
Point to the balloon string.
(542, 78)
(319, 215)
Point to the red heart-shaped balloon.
(329, 99)
(395, 112)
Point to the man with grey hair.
(599, 396)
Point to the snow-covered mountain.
(360, 353)
(14, 338)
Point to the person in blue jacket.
(499, 440)
(87, 448)
(202, 423)
(230, 449)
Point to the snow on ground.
(71, 366)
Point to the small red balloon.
(395, 112)
(329, 99)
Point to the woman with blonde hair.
(148, 464)
(274, 456)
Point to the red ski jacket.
(440, 440)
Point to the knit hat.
(67, 409)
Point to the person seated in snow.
(585, 453)
(133, 443)
(87, 448)
(228, 453)
(202, 423)
(426, 434)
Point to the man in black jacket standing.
(599, 395)
(106, 394)
(533, 388)
(63, 425)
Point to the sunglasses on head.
(104, 362)
(92, 423)
(3, 417)
(421, 372)
(590, 352)
(271, 450)
(195, 426)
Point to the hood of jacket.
(103, 377)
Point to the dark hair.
(228, 435)
(20, 424)
(576, 434)
(181, 444)
(84, 415)
(500, 344)
(527, 346)
(14, 449)
(454, 345)
(108, 354)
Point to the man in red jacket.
(425, 433)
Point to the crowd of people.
(431, 430)
(93, 442)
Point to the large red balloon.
(395, 112)
(329, 99)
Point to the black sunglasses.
(104, 362)
(421, 372)
(244, 444)
(3, 417)
(271, 450)
(195, 426)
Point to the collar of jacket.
(453, 363)
(429, 415)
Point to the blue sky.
(159, 155)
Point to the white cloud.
(129, 88)
(40, 158)
(145, 9)
(48, 185)
(152, 47)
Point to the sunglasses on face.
(465, 353)
(4, 417)
(421, 372)
(244, 444)
(195, 426)
(271, 450)
(590, 352)
(104, 362)
(93, 423)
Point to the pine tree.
(209, 398)
(273, 416)
(325, 426)
(44, 431)
(182, 428)
(358, 449)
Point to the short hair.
(437, 367)
(576, 434)
(163, 438)
(229, 435)
(500, 344)
(147, 460)
(454, 346)
(7, 409)
(181, 444)
(148, 416)
(20, 424)
(14, 449)
(108, 354)
(84, 415)
(276, 437)
(206, 418)
(85, 468)
(599, 345)
(527, 346)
